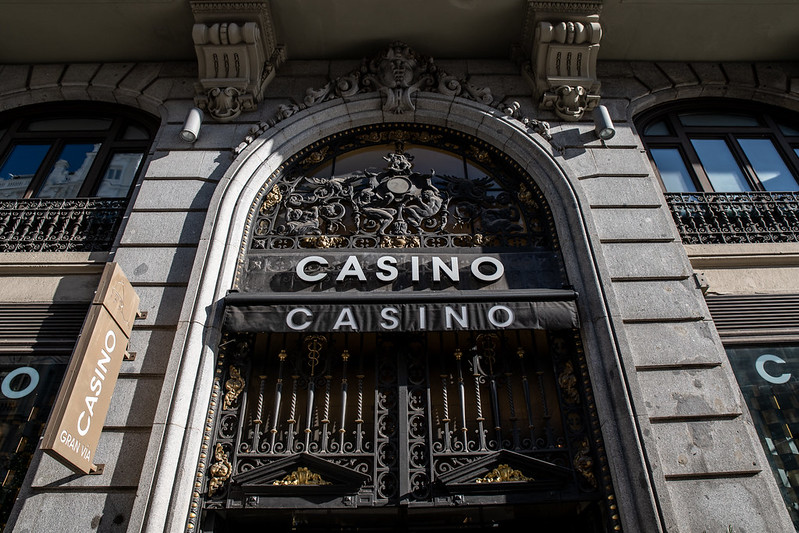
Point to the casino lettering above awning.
(371, 312)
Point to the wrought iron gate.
(372, 421)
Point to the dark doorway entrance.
(416, 432)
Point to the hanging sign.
(79, 413)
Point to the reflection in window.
(718, 148)
(19, 168)
(672, 168)
(119, 176)
(768, 165)
(28, 387)
(720, 166)
(769, 379)
(69, 171)
(81, 152)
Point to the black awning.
(401, 311)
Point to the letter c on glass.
(760, 365)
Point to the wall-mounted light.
(604, 126)
(191, 128)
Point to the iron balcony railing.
(58, 225)
(741, 217)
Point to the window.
(767, 375)
(719, 147)
(72, 151)
(66, 173)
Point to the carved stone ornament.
(236, 56)
(397, 73)
(564, 67)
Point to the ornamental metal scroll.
(400, 205)
(474, 416)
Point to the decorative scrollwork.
(219, 471)
(744, 217)
(271, 200)
(397, 207)
(302, 476)
(314, 344)
(568, 384)
(48, 225)
(584, 464)
(503, 474)
(233, 387)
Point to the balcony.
(58, 225)
(741, 217)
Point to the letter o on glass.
(499, 269)
(12, 394)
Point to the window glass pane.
(788, 130)
(768, 165)
(119, 176)
(444, 163)
(29, 388)
(365, 159)
(70, 124)
(768, 377)
(720, 166)
(658, 128)
(323, 171)
(717, 120)
(19, 169)
(424, 159)
(69, 171)
(672, 170)
(135, 133)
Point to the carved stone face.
(397, 67)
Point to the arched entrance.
(401, 348)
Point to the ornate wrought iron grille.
(382, 423)
(741, 217)
(419, 419)
(73, 225)
(398, 203)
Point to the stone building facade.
(306, 174)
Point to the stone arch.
(139, 85)
(657, 84)
(221, 241)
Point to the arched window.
(722, 148)
(66, 173)
(396, 344)
(730, 171)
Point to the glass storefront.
(769, 379)
(28, 387)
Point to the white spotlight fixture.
(604, 126)
(191, 128)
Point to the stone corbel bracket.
(236, 58)
(564, 67)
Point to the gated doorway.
(417, 432)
